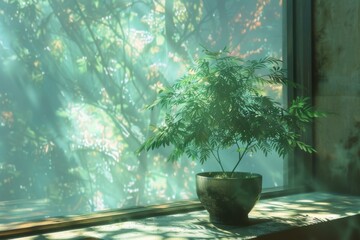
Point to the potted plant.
(219, 104)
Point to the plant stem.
(217, 158)
(241, 155)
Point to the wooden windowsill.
(270, 217)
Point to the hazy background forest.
(75, 77)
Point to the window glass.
(75, 77)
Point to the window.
(75, 77)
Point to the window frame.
(299, 169)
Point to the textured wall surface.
(337, 91)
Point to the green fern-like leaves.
(219, 104)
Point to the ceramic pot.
(228, 199)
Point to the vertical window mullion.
(297, 59)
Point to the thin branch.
(241, 155)
(98, 47)
(217, 158)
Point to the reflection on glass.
(75, 77)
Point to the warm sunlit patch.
(57, 47)
(37, 63)
(6, 118)
(159, 6)
(158, 86)
(175, 57)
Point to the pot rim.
(239, 175)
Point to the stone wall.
(337, 91)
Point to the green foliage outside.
(75, 76)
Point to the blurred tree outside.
(75, 77)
